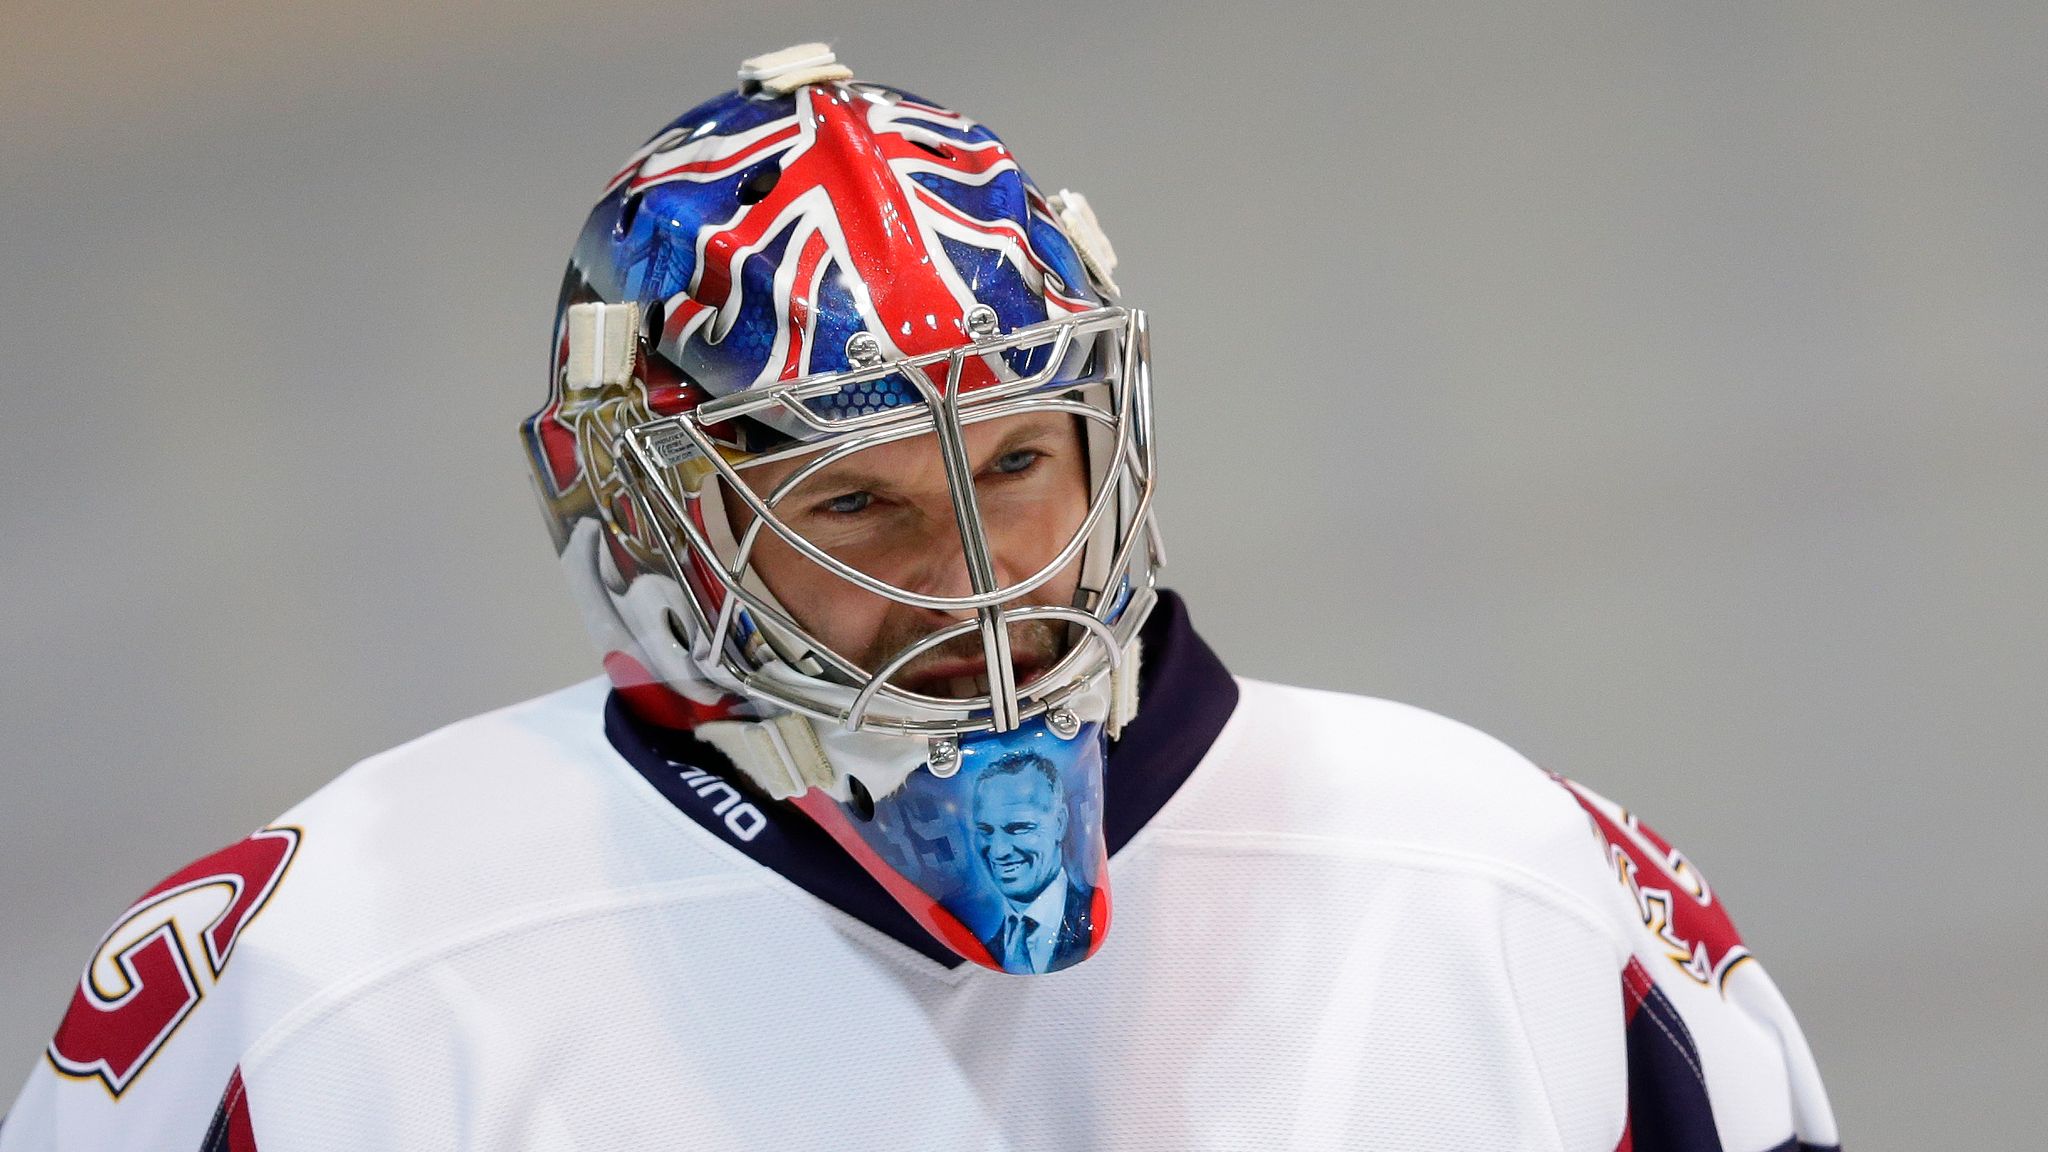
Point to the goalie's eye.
(1010, 463)
(847, 504)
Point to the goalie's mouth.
(957, 669)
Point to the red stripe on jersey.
(231, 1130)
(1635, 988)
(241, 1129)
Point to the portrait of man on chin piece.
(1020, 826)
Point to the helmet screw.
(863, 350)
(1062, 721)
(981, 321)
(944, 758)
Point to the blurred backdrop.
(1659, 387)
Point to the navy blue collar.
(1186, 695)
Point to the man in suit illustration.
(1020, 825)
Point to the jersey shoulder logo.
(1689, 926)
(142, 981)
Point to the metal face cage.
(682, 469)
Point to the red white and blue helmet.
(803, 268)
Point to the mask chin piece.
(997, 850)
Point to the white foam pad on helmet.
(791, 68)
(1078, 219)
(601, 344)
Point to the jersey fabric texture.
(1339, 923)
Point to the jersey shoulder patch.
(1684, 920)
(164, 955)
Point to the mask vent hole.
(628, 212)
(863, 804)
(756, 187)
(939, 150)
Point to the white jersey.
(1352, 924)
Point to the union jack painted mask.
(789, 279)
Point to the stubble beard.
(1035, 646)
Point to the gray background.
(1657, 386)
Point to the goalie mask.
(847, 455)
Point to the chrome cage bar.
(655, 446)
